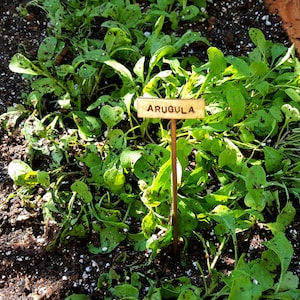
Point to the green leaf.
(189, 12)
(43, 178)
(88, 126)
(102, 99)
(94, 55)
(46, 85)
(82, 190)
(263, 87)
(109, 10)
(294, 94)
(123, 72)
(149, 224)
(17, 169)
(125, 291)
(236, 103)
(287, 214)
(262, 279)
(20, 64)
(130, 15)
(111, 116)
(111, 235)
(258, 39)
(240, 65)
(190, 37)
(217, 62)
(259, 68)
(114, 179)
(270, 261)
(117, 139)
(87, 71)
(241, 287)
(255, 178)
(138, 241)
(188, 295)
(129, 157)
(47, 48)
(162, 182)
(156, 155)
(289, 281)
(255, 200)
(277, 50)
(273, 159)
(184, 149)
(78, 297)
(116, 38)
(139, 68)
(159, 54)
(284, 250)
(227, 158)
(223, 215)
(187, 222)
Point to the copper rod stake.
(174, 187)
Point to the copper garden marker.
(171, 109)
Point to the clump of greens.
(105, 166)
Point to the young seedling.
(172, 109)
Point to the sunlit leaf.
(20, 64)
(111, 116)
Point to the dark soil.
(27, 271)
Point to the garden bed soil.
(27, 270)
(289, 13)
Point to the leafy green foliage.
(105, 165)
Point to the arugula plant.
(106, 165)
